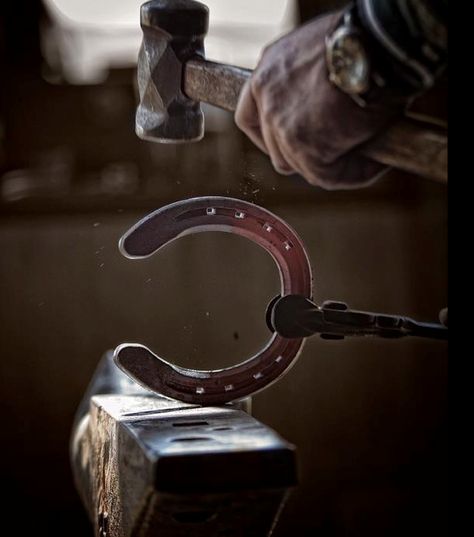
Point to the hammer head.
(173, 32)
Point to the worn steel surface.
(173, 32)
(233, 216)
(148, 466)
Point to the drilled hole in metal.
(192, 439)
(190, 423)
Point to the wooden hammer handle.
(214, 83)
(408, 145)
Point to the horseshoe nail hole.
(267, 227)
(192, 439)
(200, 390)
(228, 387)
(210, 211)
(257, 376)
(194, 517)
(278, 359)
(239, 214)
(190, 424)
(287, 245)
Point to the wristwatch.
(348, 60)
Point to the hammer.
(174, 77)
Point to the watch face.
(348, 63)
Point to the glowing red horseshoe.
(232, 216)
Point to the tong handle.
(294, 316)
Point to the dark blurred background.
(368, 417)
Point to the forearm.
(325, 90)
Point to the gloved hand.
(292, 112)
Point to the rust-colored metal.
(232, 216)
(214, 83)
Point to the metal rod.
(408, 145)
(214, 83)
(428, 330)
(296, 316)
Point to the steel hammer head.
(173, 32)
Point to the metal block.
(150, 466)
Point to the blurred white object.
(89, 37)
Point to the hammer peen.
(174, 77)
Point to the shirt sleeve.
(413, 35)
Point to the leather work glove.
(292, 112)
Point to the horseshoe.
(216, 213)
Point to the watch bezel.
(342, 32)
